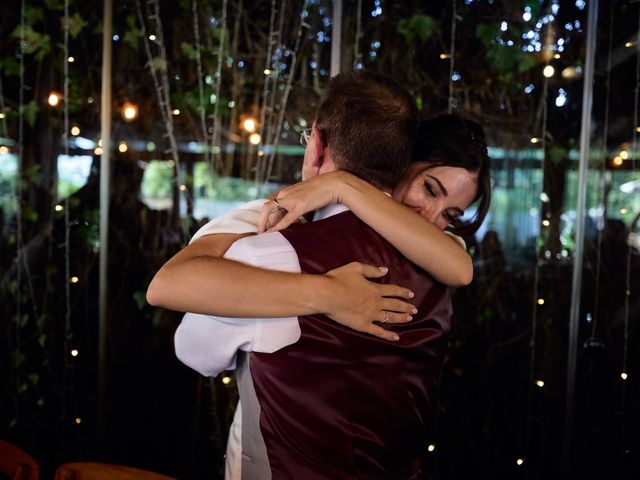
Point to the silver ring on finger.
(386, 317)
(275, 200)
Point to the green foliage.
(55, 5)
(29, 112)
(140, 298)
(506, 59)
(9, 66)
(33, 14)
(189, 51)
(132, 35)
(75, 24)
(158, 63)
(418, 28)
(35, 42)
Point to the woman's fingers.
(396, 305)
(285, 221)
(390, 290)
(395, 317)
(380, 332)
(268, 209)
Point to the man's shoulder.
(243, 219)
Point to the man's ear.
(319, 146)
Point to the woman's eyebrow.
(444, 190)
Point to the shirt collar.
(329, 211)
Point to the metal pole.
(105, 127)
(585, 135)
(336, 38)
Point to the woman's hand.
(304, 197)
(362, 305)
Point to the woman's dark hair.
(451, 141)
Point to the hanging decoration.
(160, 64)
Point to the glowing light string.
(67, 224)
(215, 117)
(602, 173)
(203, 124)
(357, 53)
(452, 53)
(287, 91)
(271, 72)
(627, 283)
(161, 84)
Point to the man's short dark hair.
(369, 122)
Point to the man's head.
(365, 124)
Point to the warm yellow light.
(548, 71)
(260, 153)
(546, 223)
(624, 154)
(74, 279)
(74, 353)
(638, 129)
(98, 151)
(444, 56)
(71, 59)
(624, 211)
(254, 138)
(99, 142)
(556, 56)
(617, 161)
(628, 44)
(535, 140)
(152, 37)
(249, 124)
(4, 149)
(129, 111)
(54, 99)
(431, 447)
(123, 147)
(267, 71)
(75, 131)
(540, 383)
(623, 375)
(226, 380)
(2, 115)
(520, 461)
(183, 188)
(78, 420)
(541, 301)
(176, 111)
(58, 208)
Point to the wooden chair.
(16, 463)
(104, 471)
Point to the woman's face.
(440, 194)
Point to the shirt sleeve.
(243, 219)
(209, 344)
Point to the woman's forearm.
(215, 286)
(416, 238)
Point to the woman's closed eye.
(430, 189)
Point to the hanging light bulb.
(548, 71)
(255, 138)
(249, 124)
(75, 130)
(123, 147)
(54, 99)
(129, 112)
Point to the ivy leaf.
(29, 112)
(35, 42)
(75, 24)
(10, 66)
(33, 14)
(158, 63)
(54, 4)
(189, 51)
(418, 27)
(33, 378)
(140, 299)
